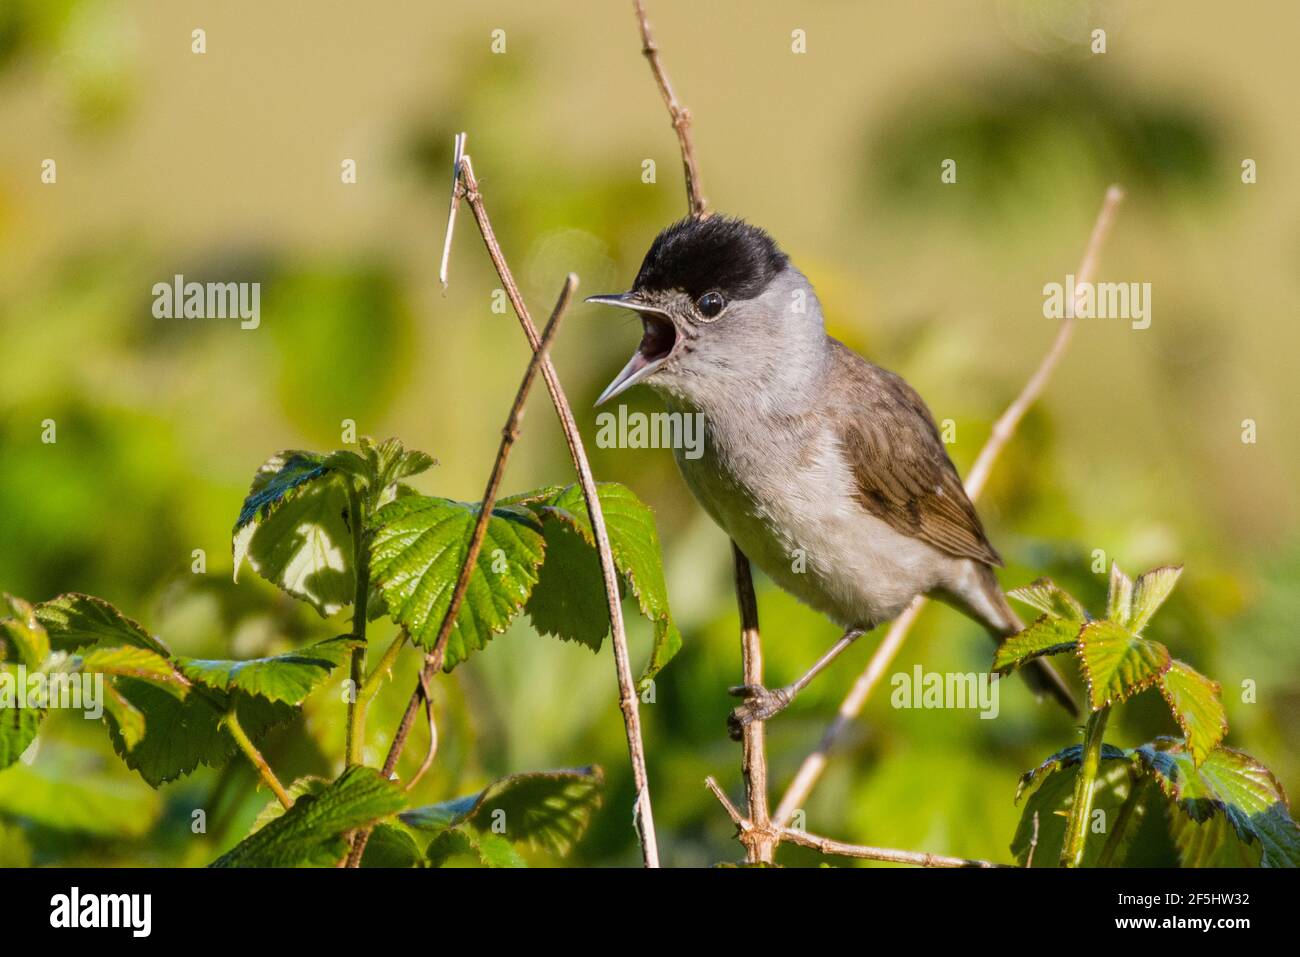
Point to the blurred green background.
(226, 166)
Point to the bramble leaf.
(311, 832)
(75, 620)
(1118, 664)
(21, 629)
(634, 543)
(294, 529)
(1229, 784)
(549, 810)
(418, 548)
(1149, 593)
(288, 677)
(1194, 701)
(1046, 636)
(1051, 599)
(391, 846)
(18, 726)
(1119, 597)
(462, 845)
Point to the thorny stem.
(814, 764)
(1085, 787)
(434, 659)
(231, 721)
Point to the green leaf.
(634, 542)
(273, 809)
(1119, 597)
(418, 548)
(289, 677)
(294, 531)
(181, 735)
(132, 662)
(463, 846)
(391, 846)
(1194, 701)
(1118, 664)
(1052, 784)
(22, 630)
(1051, 599)
(1150, 592)
(549, 810)
(1228, 784)
(311, 832)
(75, 620)
(18, 726)
(1046, 636)
(569, 599)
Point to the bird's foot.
(760, 704)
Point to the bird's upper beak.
(657, 344)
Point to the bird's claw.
(760, 704)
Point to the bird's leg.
(762, 703)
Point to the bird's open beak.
(657, 344)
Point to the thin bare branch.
(680, 115)
(458, 151)
(840, 849)
(733, 812)
(643, 817)
(811, 769)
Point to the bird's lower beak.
(657, 344)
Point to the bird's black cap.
(698, 255)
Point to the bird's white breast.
(787, 499)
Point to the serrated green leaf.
(1211, 843)
(549, 810)
(634, 542)
(294, 531)
(391, 846)
(75, 620)
(569, 600)
(1196, 706)
(1149, 593)
(181, 735)
(18, 726)
(1054, 796)
(464, 846)
(416, 553)
(1046, 636)
(126, 661)
(21, 629)
(1231, 784)
(288, 677)
(1119, 596)
(1051, 599)
(311, 832)
(1118, 664)
(273, 809)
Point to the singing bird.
(827, 471)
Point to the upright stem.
(760, 840)
(356, 730)
(231, 721)
(1085, 787)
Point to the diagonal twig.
(810, 770)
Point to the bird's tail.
(1041, 676)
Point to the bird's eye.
(710, 304)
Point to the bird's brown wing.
(902, 473)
